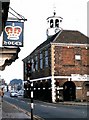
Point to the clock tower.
(54, 24)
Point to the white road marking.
(48, 106)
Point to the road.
(50, 111)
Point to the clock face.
(52, 31)
(57, 30)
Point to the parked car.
(20, 92)
(13, 94)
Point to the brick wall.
(66, 64)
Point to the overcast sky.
(73, 12)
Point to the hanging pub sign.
(13, 34)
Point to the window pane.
(40, 55)
(41, 63)
(36, 66)
(46, 53)
(46, 61)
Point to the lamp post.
(32, 104)
(29, 67)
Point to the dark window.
(56, 23)
(51, 23)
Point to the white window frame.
(77, 57)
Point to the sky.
(73, 12)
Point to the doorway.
(69, 91)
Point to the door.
(69, 91)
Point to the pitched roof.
(48, 41)
(65, 36)
(68, 36)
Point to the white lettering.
(12, 43)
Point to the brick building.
(59, 66)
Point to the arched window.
(56, 23)
(51, 23)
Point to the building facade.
(59, 67)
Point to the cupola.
(54, 24)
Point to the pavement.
(11, 112)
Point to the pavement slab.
(10, 112)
